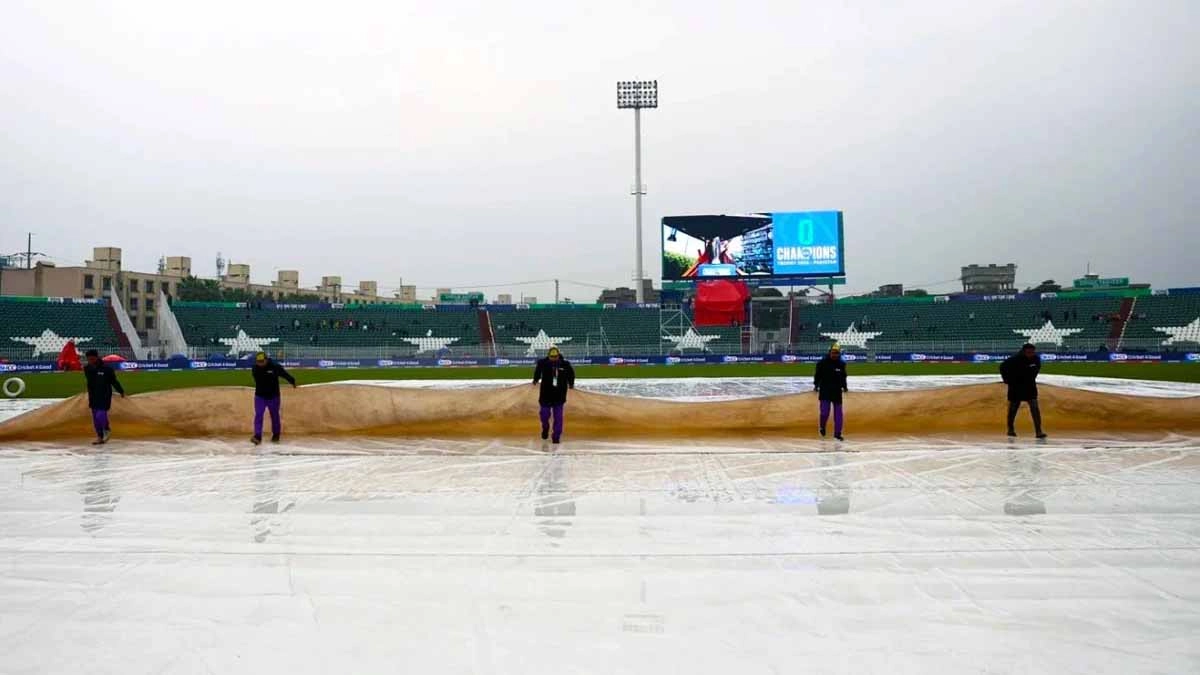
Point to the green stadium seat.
(37, 328)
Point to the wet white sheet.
(759, 556)
(715, 388)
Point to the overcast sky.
(463, 143)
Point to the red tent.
(68, 358)
(721, 302)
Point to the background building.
(989, 279)
(104, 275)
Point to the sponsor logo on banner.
(1191, 356)
(849, 357)
(672, 360)
(627, 361)
(981, 358)
(392, 363)
(790, 358)
(916, 357)
(329, 363)
(42, 367)
(144, 365)
(884, 357)
(199, 365)
(445, 362)
(1049, 357)
(516, 362)
(1135, 357)
(729, 359)
(290, 364)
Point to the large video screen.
(761, 246)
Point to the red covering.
(113, 358)
(68, 358)
(721, 302)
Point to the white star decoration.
(1047, 334)
(691, 340)
(1188, 333)
(244, 344)
(430, 343)
(853, 337)
(49, 342)
(541, 342)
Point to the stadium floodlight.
(637, 94)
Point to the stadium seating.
(1164, 321)
(1078, 324)
(1065, 323)
(577, 329)
(327, 331)
(593, 330)
(35, 328)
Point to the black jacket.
(830, 379)
(101, 380)
(266, 379)
(1020, 374)
(556, 378)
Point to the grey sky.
(456, 143)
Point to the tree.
(675, 264)
(767, 292)
(916, 293)
(199, 290)
(1047, 286)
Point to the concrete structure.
(888, 291)
(504, 299)
(237, 274)
(989, 279)
(288, 280)
(105, 258)
(138, 291)
(624, 294)
(179, 266)
(406, 295)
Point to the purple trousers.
(837, 416)
(100, 421)
(261, 404)
(544, 414)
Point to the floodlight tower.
(637, 95)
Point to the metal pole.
(556, 291)
(637, 189)
(29, 250)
